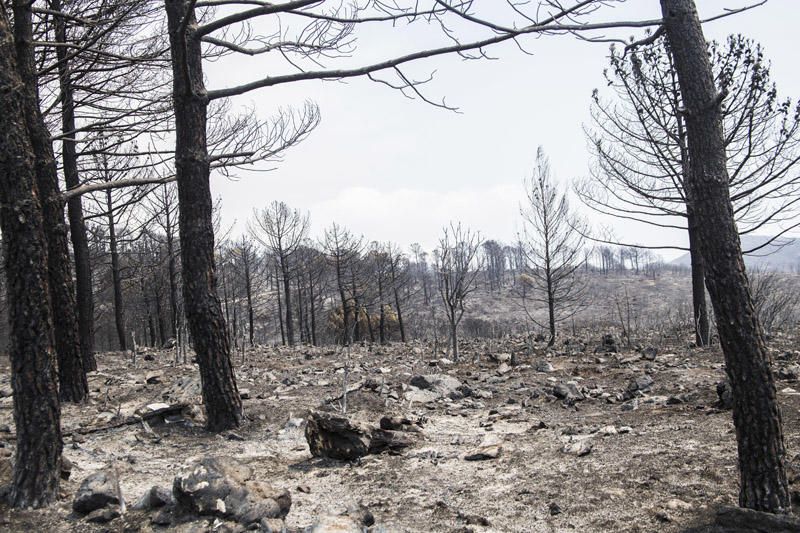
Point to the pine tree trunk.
(287, 300)
(399, 317)
(116, 275)
(77, 226)
(31, 344)
(700, 311)
(756, 414)
(203, 310)
(73, 386)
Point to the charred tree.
(195, 221)
(756, 415)
(34, 380)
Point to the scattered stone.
(232, 435)
(607, 345)
(544, 366)
(554, 509)
(678, 505)
(503, 369)
(578, 447)
(223, 487)
(741, 519)
(104, 515)
(153, 378)
(155, 498)
(568, 392)
(244, 394)
(98, 490)
(334, 436)
(641, 383)
(442, 384)
(335, 524)
(650, 353)
(489, 451)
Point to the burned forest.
(369, 266)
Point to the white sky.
(398, 169)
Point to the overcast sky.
(398, 169)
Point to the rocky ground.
(580, 438)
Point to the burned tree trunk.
(72, 378)
(33, 361)
(756, 415)
(700, 312)
(77, 227)
(195, 222)
(116, 275)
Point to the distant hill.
(782, 255)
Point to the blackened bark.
(287, 300)
(73, 386)
(280, 308)
(116, 275)
(313, 311)
(756, 414)
(33, 359)
(399, 316)
(248, 285)
(172, 268)
(699, 308)
(77, 226)
(195, 221)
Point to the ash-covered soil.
(633, 441)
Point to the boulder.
(640, 383)
(330, 435)
(97, 491)
(568, 392)
(224, 488)
(441, 384)
(155, 498)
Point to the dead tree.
(756, 415)
(37, 413)
(640, 147)
(553, 246)
(281, 230)
(343, 250)
(72, 377)
(456, 275)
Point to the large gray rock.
(434, 386)
(330, 435)
(99, 490)
(568, 392)
(223, 487)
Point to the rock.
(99, 490)
(607, 345)
(554, 509)
(725, 395)
(153, 378)
(678, 505)
(650, 353)
(223, 487)
(66, 468)
(104, 515)
(333, 436)
(788, 373)
(503, 369)
(578, 448)
(169, 344)
(568, 392)
(741, 519)
(482, 453)
(501, 357)
(155, 498)
(544, 366)
(442, 384)
(641, 383)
